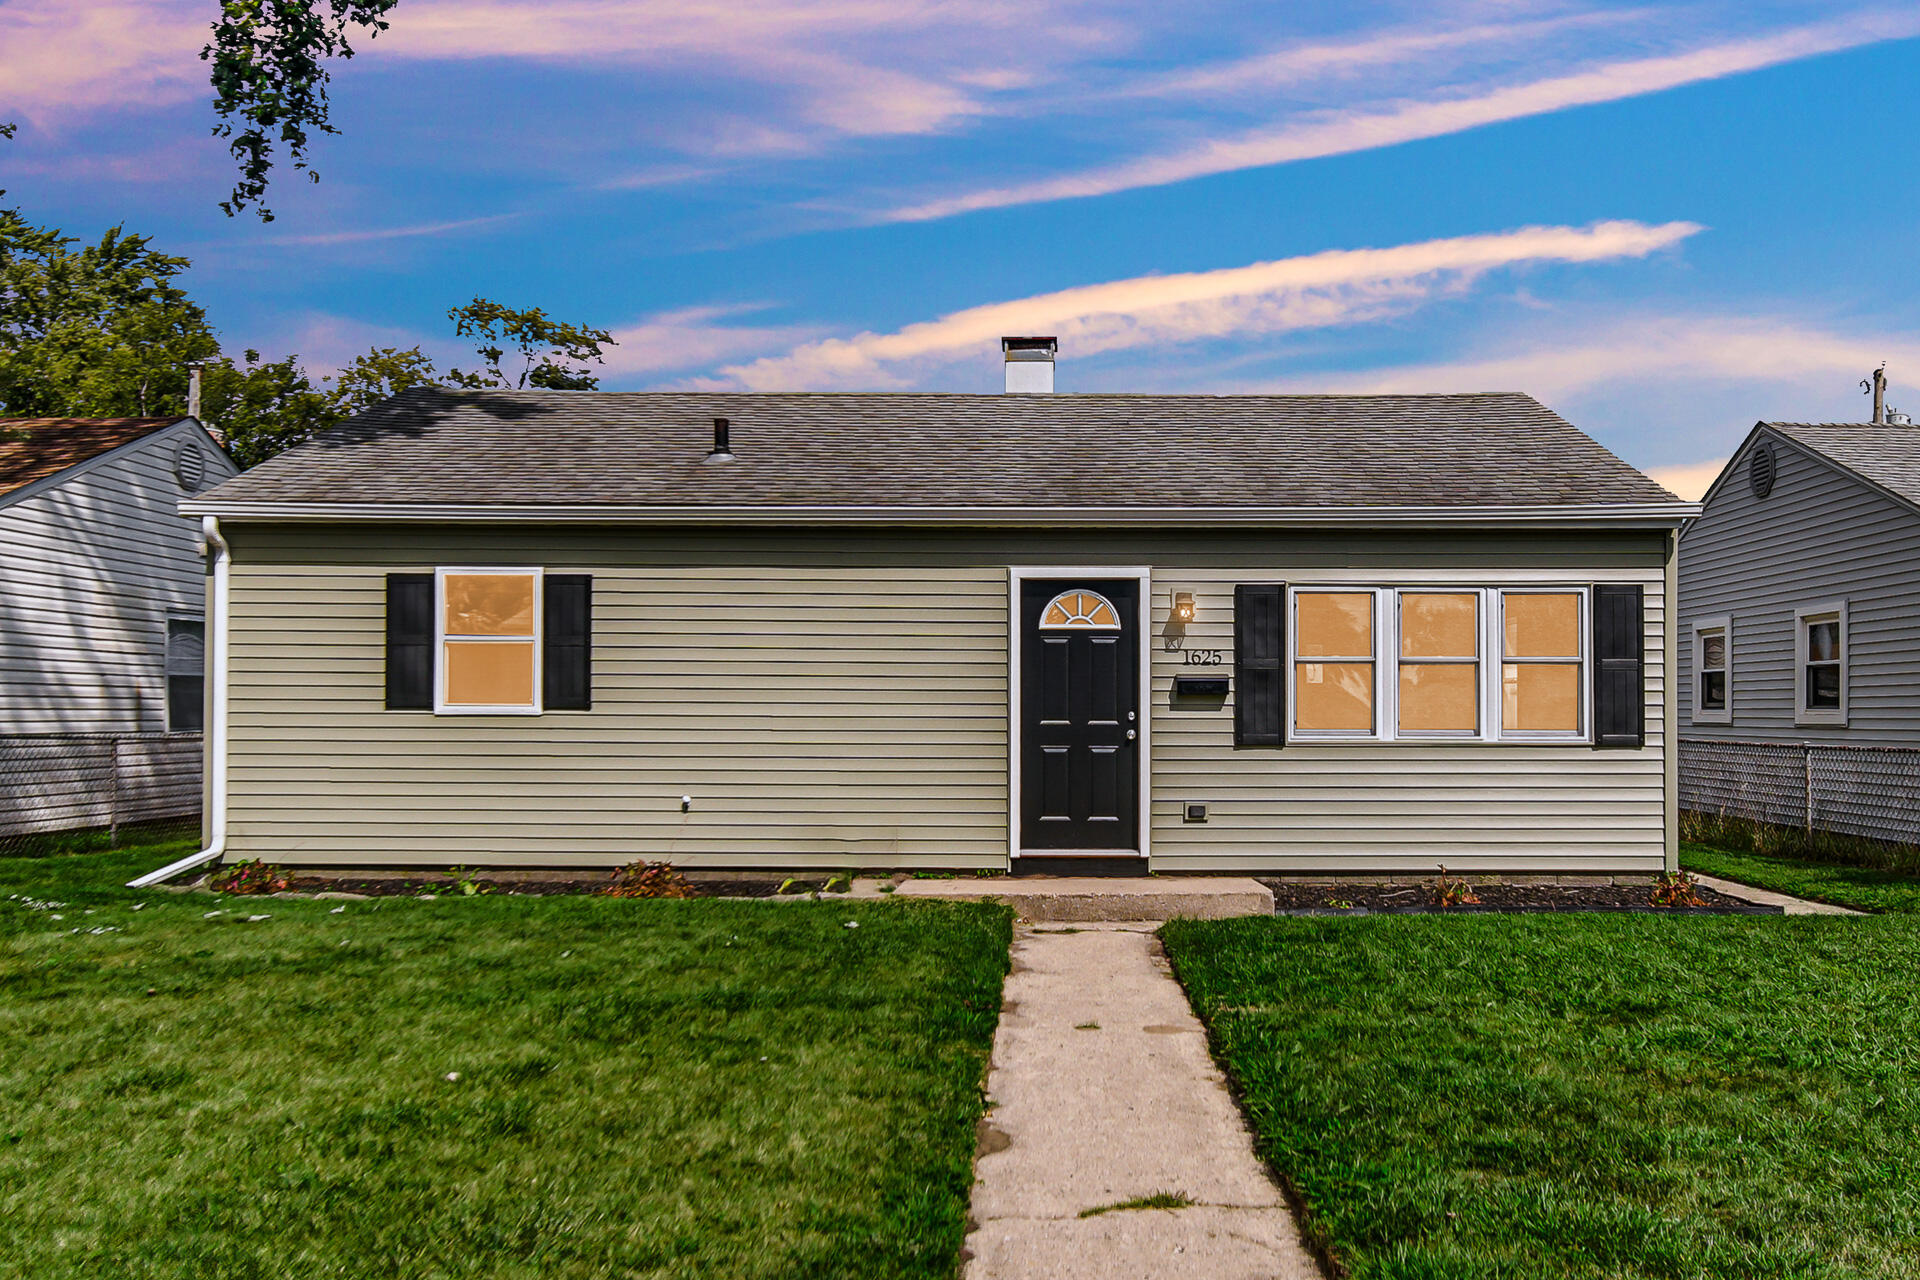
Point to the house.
(102, 601)
(1103, 633)
(1800, 631)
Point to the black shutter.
(567, 642)
(1259, 664)
(409, 642)
(1619, 668)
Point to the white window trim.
(1802, 713)
(440, 704)
(1386, 649)
(1702, 628)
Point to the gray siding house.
(1800, 631)
(102, 605)
(1103, 633)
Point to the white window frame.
(1702, 629)
(1819, 612)
(1496, 674)
(166, 665)
(1491, 658)
(440, 704)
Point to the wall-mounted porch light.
(1183, 606)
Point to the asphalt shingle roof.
(1889, 456)
(433, 446)
(35, 448)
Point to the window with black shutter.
(186, 674)
(1259, 664)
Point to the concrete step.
(1069, 899)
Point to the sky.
(1666, 221)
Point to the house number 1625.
(1203, 657)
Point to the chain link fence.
(66, 790)
(1869, 792)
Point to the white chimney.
(1029, 365)
(193, 391)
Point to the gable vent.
(189, 467)
(1762, 469)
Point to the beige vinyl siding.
(834, 699)
(1399, 806)
(817, 717)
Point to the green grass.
(1158, 1200)
(643, 1088)
(1862, 888)
(1580, 1096)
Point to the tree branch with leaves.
(551, 354)
(269, 77)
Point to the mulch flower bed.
(446, 887)
(1414, 899)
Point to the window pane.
(186, 701)
(1542, 624)
(1823, 685)
(1334, 624)
(1439, 626)
(489, 604)
(1713, 691)
(1333, 696)
(489, 675)
(1823, 641)
(1713, 651)
(1439, 697)
(1540, 697)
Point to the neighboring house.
(102, 601)
(1099, 632)
(1800, 631)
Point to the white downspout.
(217, 720)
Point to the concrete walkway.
(1102, 1092)
(1767, 897)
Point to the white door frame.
(1143, 620)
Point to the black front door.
(1079, 714)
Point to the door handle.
(1129, 735)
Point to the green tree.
(269, 77)
(264, 407)
(382, 372)
(551, 354)
(99, 331)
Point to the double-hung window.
(1820, 664)
(1713, 671)
(488, 636)
(186, 674)
(1476, 664)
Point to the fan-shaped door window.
(1079, 611)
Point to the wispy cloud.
(1688, 480)
(1315, 291)
(69, 57)
(1368, 127)
(369, 234)
(693, 338)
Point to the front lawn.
(1861, 888)
(500, 1087)
(1580, 1096)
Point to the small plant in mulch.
(1674, 889)
(250, 878)
(1452, 891)
(648, 880)
(466, 882)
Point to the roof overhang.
(1661, 515)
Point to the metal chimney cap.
(1042, 348)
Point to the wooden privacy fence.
(61, 782)
(1872, 792)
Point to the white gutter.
(216, 743)
(1649, 515)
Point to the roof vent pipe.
(721, 451)
(1029, 364)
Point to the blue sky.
(1665, 220)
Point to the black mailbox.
(1200, 686)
